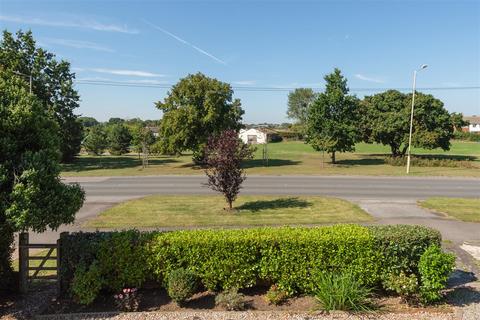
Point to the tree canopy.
(386, 120)
(332, 117)
(32, 195)
(196, 108)
(119, 139)
(52, 83)
(96, 140)
(299, 101)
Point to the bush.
(276, 296)
(428, 161)
(466, 136)
(342, 292)
(231, 300)
(406, 286)
(87, 283)
(435, 267)
(6, 249)
(181, 285)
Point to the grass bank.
(204, 211)
(463, 209)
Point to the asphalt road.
(357, 187)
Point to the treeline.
(118, 136)
(334, 120)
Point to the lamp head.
(423, 66)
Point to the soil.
(158, 300)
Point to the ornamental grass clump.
(231, 300)
(343, 292)
(181, 285)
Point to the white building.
(474, 125)
(253, 136)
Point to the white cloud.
(186, 43)
(124, 72)
(84, 23)
(369, 79)
(245, 82)
(78, 44)
(133, 81)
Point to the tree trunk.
(230, 204)
(333, 157)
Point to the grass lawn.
(36, 263)
(293, 157)
(463, 209)
(202, 211)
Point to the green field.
(202, 211)
(286, 158)
(463, 209)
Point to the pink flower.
(120, 296)
(125, 290)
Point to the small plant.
(231, 300)
(405, 286)
(276, 295)
(181, 285)
(86, 283)
(342, 292)
(128, 300)
(434, 267)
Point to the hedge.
(292, 258)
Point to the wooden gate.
(30, 273)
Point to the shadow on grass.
(281, 203)
(109, 162)
(360, 162)
(271, 163)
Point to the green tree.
(386, 120)
(457, 121)
(32, 195)
(332, 118)
(88, 122)
(142, 139)
(196, 108)
(299, 101)
(52, 83)
(96, 140)
(119, 139)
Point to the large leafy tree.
(96, 140)
(52, 83)
(224, 155)
(332, 118)
(196, 108)
(32, 195)
(386, 120)
(457, 121)
(119, 139)
(299, 101)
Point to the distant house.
(258, 135)
(474, 125)
(154, 130)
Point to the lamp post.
(29, 76)
(423, 66)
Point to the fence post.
(60, 286)
(23, 262)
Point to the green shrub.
(87, 283)
(429, 161)
(181, 285)
(6, 249)
(276, 296)
(342, 292)
(435, 267)
(406, 286)
(466, 136)
(231, 300)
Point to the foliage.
(127, 300)
(86, 283)
(119, 139)
(181, 285)
(88, 122)
(332, 118)
(142, 139)
(466, 136)
(224, 155)
(299, 101)
(96, 141)
(231, 300)
(458, 122)
(342, 292)
(434, 267)
(406, 286)
(32, 195)
(386, 120)
(276, 296)
(52, 84)
(419, 161)
(197, 107)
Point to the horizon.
(126, 55)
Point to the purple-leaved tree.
(224, 155)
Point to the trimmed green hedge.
(292, 258)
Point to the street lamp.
(423, 66)
(29, 76)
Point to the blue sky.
(286, 44)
